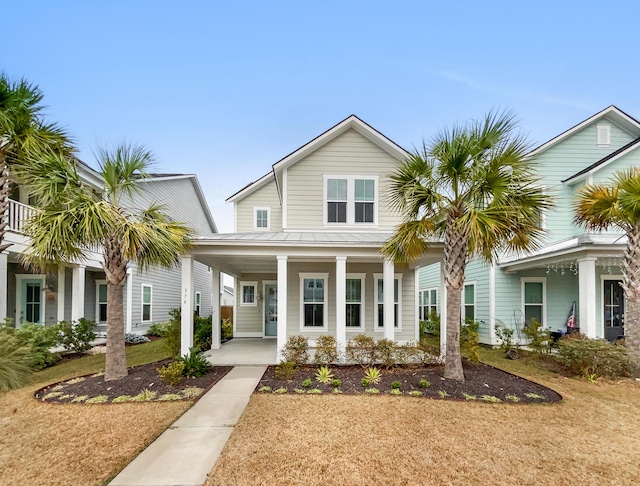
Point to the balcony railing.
(18, 215)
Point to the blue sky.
(225, 89)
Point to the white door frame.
(603, 278)
(20, 277)
(264, 308)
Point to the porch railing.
(18, 215)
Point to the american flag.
(571, 320)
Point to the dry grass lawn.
(48, 444)
(592, 437)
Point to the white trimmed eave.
(586, 175)
(567, 251)
(254, 186)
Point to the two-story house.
(306, 248)
(80, 290)
(573, 265)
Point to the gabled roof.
(625, 121)
(196, 185)
(351, 122)
(605, 160)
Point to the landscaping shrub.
(326, 350)
(227, 329)
(78, 337)
(431, 325)
(39, 340)
(296, 350)
(15, 361)
(505, 335)
(195, 364)
(131, 338)
(172, 337)
(539, 337)
(470, 340)
(361, 350)
(286, 370)
(324, 375)
(593, 357)
(158, 329)
(385, 353)
(172, 373)
(202, 337)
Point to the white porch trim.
(282, 305)
(4, 269)
(341, 304)
(215, 309)
(29, 276)
(61, 285)
(587, 295)
(77, 293)
(186, 308)
(443, 311)
(388, 277)
(129, 317)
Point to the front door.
(32, 305)
(613, 309)
(270, 310)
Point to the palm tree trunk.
(455, 262)
(4, 200)
(631, 285)
(116, 270)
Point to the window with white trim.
(248, 294)
(428, 303)
(147, 299)
(355, 301)
(534, 300)
(313, 295)
(378, 315)
(351, 199)
(469, 302)
(261, 219)
(197, 303)
(604, 134)
(101, 301)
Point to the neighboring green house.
(573, 265)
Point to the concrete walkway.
(187, 451)
(244, 351)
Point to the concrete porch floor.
(244, 351)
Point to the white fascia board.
(611, 110)
(587, 175)
(250, 188)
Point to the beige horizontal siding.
(266, 196)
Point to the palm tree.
(472, 187)
(617, 204)
(74, 220)
(22, 131)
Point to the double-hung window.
(355, 301)
(101, 301)
(534, 300)
(379, 311)
(261, 219)
(350, 200)
(469, 302)
(197, 303)
(427, 303)
(248, 294)
(147, 296)
(313, 289)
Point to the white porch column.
(61, 285)
(388, 299)
(186, 308)
(282, 304)
(587, 295)
(492, 303)
(4, 269)
(129, 316)
(215, 309)
(443, 311)
(341, 304)
(77, 294)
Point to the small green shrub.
(442, 394)
(467, 396)
(296, 350)
(533, 396)
(415, 393)
(286, 370)
(315, 391)
(299, 390)
(132, 338)
(192, 392)
(583, 356)
(280, 390)
(227, 329)
(374, 375)
(326, 350)
(385, 354)
(372, 391)
(539, 337)
(506, 337)
(396, 385)
(306, 383)
(172, 373)
(169, 397)
(336, 383)
(98, 399)
(490, 398)
(361, 350)
(265, 389)
(337, 391)
(512, 398)
(202, 333)
(122, 399)
(432, 325)
(470, 340)
(145, 395)
(365, 382)
(15, 361)
(78, 337)
(195, 364)
(158, 329)
(395, 391)
(424, 383)
(324, 375)
(172, 337)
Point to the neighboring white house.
(306, 249)
(79, 290)
(573, 265)
(227, 296)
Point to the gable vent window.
(604, 135)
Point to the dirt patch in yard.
(142, 382)
(482, 382)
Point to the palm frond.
(597, 207)
(121, 168)
(409, 241)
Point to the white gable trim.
(611, 110)
(589, 174)
(254, 186)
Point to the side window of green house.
(469, 302)
(533, 300)
(146, 302)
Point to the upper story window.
(261, 219)
(350, 199)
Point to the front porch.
(244, 351)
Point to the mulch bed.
(482, 381)
(140, 378)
